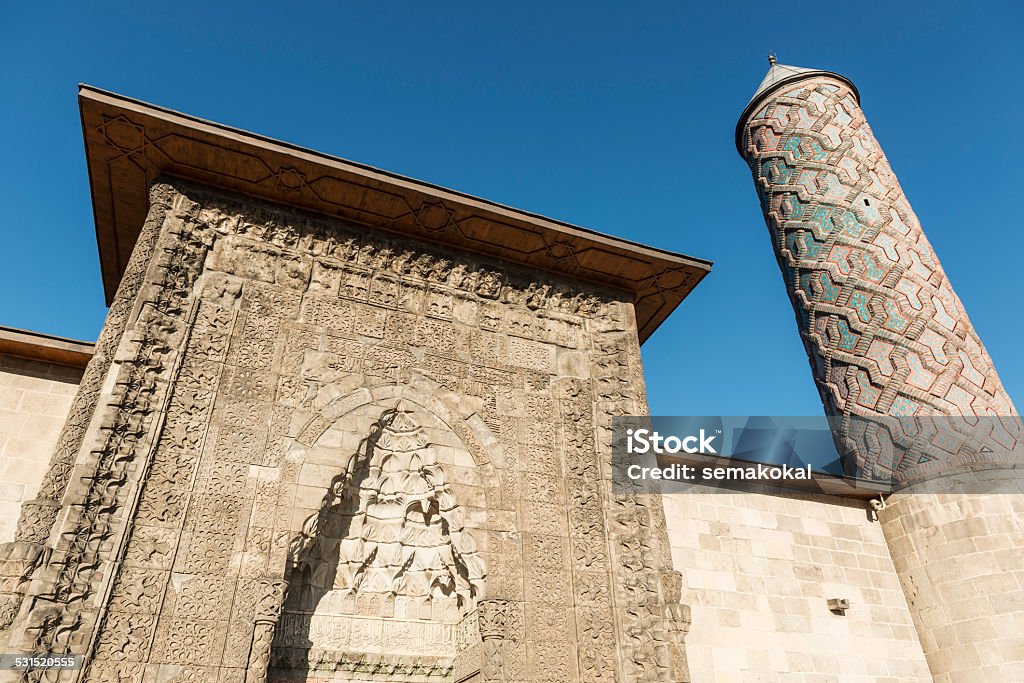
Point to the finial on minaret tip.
(772, 59)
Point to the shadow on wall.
(386, 545)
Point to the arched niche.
(388, 570)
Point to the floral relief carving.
(253, 325)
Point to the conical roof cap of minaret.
(780, 75)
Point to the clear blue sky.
(618, 117)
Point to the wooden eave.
(129, 144)
(45, 348)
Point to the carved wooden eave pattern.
(129, 144)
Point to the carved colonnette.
(21, 558)
(650, 619)
(339, 455)
(67, 594)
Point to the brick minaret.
(888, 340)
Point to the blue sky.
(617, 117)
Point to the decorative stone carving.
(647, 591)
(18, 560)
(501, 630)
(267, 612)
(387, 554)
(392, 517)
(500, 619)
(237, 391)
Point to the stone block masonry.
(759, 571)
(35, 397)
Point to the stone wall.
(34, 402)
(758, 571)
(958, 544)
(312, 418)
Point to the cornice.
(45, 348)
(129, 144)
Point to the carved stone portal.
(456, 409)
(386, 566)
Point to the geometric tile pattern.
(885, 333)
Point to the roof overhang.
(45, 348)
(129, 144)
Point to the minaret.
(917, 399)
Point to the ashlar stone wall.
(34, 402)
(325, 453)
(759, 570)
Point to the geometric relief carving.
(531, 354)
(241, 446)
(885, 333)
(386, 566)
(191, 641)
(124, 429)
(204, 552)
(385, 581)
(138, 590)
